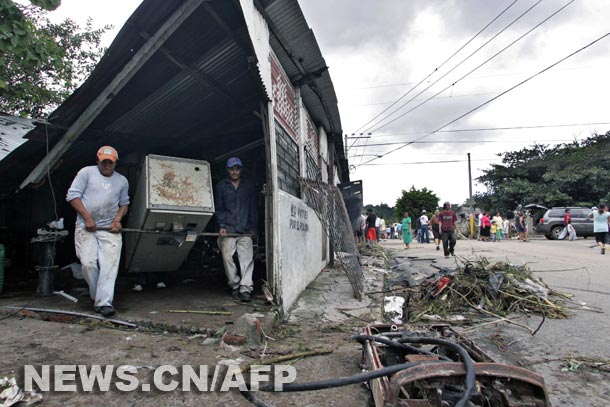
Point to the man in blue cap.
(235, 201)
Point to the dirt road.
(324, 318)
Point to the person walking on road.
(435, 224)
(371, 221)
(407, 236)
(235, 202)
(424, 222)
(485, 227)
(567, 218)
(601, 223)
(520, 226)
(99, 195)
(448, 236)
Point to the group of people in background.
(442, 224)
(493, 229)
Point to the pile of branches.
(496, 289)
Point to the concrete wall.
(300, 247)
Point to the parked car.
(551, 224)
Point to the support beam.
(120, 80)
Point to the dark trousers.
(449, 239)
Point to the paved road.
(575, 267)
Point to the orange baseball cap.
(107, 153)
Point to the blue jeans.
(424, 234)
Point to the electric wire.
(435, 70)
(441, 65)
(394, 143)
(433, 162)
(378, 126)
(456, 65)
(498, 96)
(541, 126)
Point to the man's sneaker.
(137, 288)
(106, 311)
(452, 253)
(235, 293)
(245, 296)
(161, 284)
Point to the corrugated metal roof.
(196, 93)
(12, 132)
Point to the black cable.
(498, 96)
(377, 127)
(540, 126)
(441, 65)
(466, 359)
(344, 381)
(397, 345)
(435, 70)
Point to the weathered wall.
(300, 246)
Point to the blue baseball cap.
(233, 161)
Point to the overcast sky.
(378, 50)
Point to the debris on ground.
(11, 394)
(572, 363)
(497, 289)
(392, 308)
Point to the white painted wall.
(324, 153)
(300, 247)
(297, 232)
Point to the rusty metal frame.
(387, 391)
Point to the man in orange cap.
(99, 195)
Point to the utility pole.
(469, 178)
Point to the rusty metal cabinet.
(173, 195)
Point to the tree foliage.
(414, 201)
(42, 63)
(572, 174)
(382, 210)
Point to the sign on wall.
(284, 99)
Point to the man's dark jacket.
(236, 208)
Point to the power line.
(444, 62)
(542, 126)
(498, 96)
(445, 97)
(473, 70)
(435, 162)
(490, 75)
(436, 69)
(394, 143)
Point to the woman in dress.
(407, 236)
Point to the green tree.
(572, 174)
(42, 63)
(414, 201)
(382, 210)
